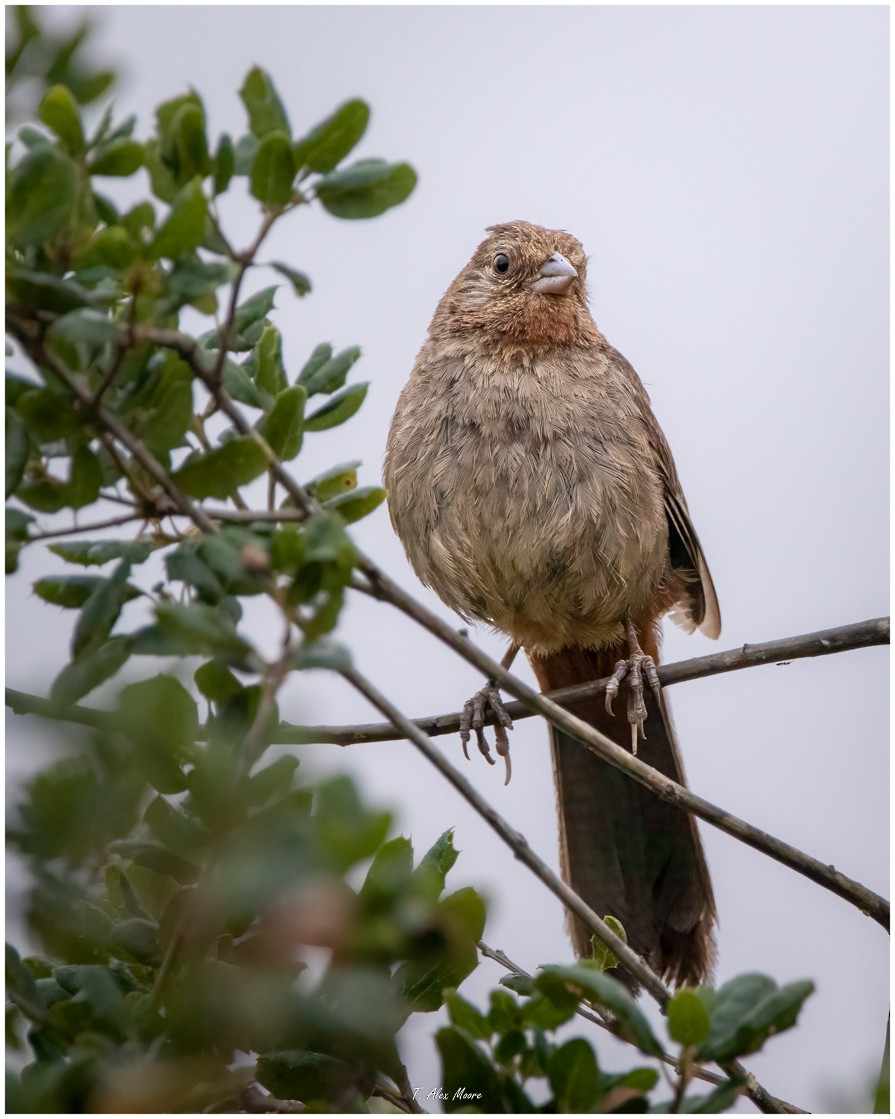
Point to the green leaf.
(347, 832)
(331, 375)
(94, 553)
(265, 109)
(366, 189)
(160, 718)
(184, 228)
(244, 154)
(59, 111)
(111, 247)
(86, 327)
(190, 142)
(224, 163)
(321, 354)
(467, 1017)
(16, 535)
(749, 1008)
(42, 197)
(302, 1075)
(274, 778)
(18, 448)
(273, 170)
(574, 1077)
(467, 1076)
(82, 676)
(301, 284)
(255, 308)
(219, 472)
(269, 372)
(240, 385)
(322, 653)
(603, 958)
(688, 1019)
(73, 591)
(118, 159)
(352, 506)
(338, 408)
(49, 293)
(86, 478)
(328, 144)
(216, 682)
(198, 628)
(337, 480)
(390, 870)
(284, 424)
(169, 409)
(564, 984)
(101, 611)
(436, 863)
(157, 858)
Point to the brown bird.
(533, 490)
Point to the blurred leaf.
(155, 857)
(265, 109)
(347, 831)
(216, 682)
(159, 717)
(72, 591)
(301, 284)
(332, 373)
(269, 372)
(565, 984)
(467, 1075)
(366, 189)
(273, 170)
(59, 111)
(18, 447)
(321, 354)
(436, 863)
(219, 472)
(574, 1077)
(224, 163)
(749, 1008)
(322, 653)
(42, 196)
(16, 534)
(284, 424)
(352, 506)
(169, 410)
(337, 480)
(48, 292)
(118, 159)
(190, 142)
(184, 228)
(296, 1075)
(255, 308)
(195, 628)
(688, 1019)
(338, 408)
(328, 144)
(82, 676)
(94, 553)
(467, 1017)
(101, 611)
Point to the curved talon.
(620, 672)
(474, 717)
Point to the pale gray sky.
(727, 170)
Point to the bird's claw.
(473, 718)
(634, 668)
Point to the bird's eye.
(501, 262)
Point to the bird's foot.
(637, 664)
(475, 713)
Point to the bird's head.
(523, 286)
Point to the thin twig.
(77, 530)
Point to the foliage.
(182, 875)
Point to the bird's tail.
(627, 853)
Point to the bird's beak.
(555, 276)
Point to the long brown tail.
(627, 853)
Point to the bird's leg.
(634, 667)
(475, 712)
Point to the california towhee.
(533, 489)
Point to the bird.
(534, 491)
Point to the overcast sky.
(727, 170)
